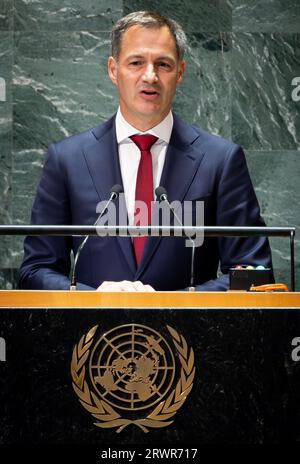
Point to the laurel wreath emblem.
(106, 416)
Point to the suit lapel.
(181, 164)
(103, 163)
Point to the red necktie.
(143, 189)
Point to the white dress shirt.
(130, 155)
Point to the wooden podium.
(136, 368)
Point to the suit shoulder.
(201, 139)
(217, 142)
(77, 142)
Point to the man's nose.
(150, 74)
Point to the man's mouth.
(149, 94)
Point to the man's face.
(147, 73)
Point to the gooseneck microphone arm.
(114, 194)
(162, 195)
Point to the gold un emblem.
(128, 376)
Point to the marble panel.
(8, 278)
(6, 15)
(27, 166)
(204, 97)
(264, 114)
(61, 86)
(5, 141)
(193, 15)
(266, 15)
(66, 15)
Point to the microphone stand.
(114, 194)
(161, 193)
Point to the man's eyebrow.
(142, 57)
(134, 57)
(165, 57)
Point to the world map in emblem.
(132, 367)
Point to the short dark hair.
(149, 19)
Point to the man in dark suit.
(146, 65)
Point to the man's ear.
(181, 72)
(112, 68)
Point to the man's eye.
(135, 63)
(164, 65)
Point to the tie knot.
(144, 142)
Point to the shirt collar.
(162, 131)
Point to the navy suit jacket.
(80, 171)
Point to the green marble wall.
(243, 56)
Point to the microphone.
(162, 195)
(114, 194)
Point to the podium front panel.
(138, 374)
